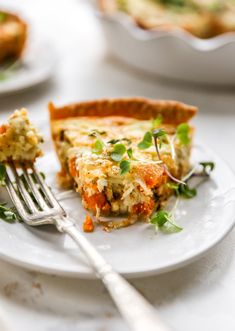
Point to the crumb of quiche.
(88, 224)
(19, 139)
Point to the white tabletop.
(200, 296)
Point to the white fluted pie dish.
(174, 54)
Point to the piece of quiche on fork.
(121, 155)
(19, 139)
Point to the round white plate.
(135, 251)
(36, 67)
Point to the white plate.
(171, 54)
(135, 251)
(37, 66)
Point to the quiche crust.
(13, 36)
(172, 112)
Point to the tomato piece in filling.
(152, 175)
(2, 129)
(72, 167)
(96, 201)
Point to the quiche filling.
(113, 163)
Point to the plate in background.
(36, 67)
(135, 251)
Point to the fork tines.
(30, 194)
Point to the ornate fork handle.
(138, 313)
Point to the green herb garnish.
(182, 133)
(2, 174)
(159, 135)
(115, 141)
(125, 166)
(130, 153)
(186, 192)
(127, 140)
(183, 190)
(207, 166)
(157, 121)
(96, 132)
(146, 142)
(98, 147)
(164, 220)
(7, 214)
(43, 175)
(118, 152)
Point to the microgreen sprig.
(130, 153)
(164, 220)
(125, 166)
(183, 190)
(118, 151)
(146, 142)
(8, 214)
(207, 167)
(182, 133)
(157, 122)
(96, 133)
(98, 146)
(2, 174)
(117, 155)
(115, 141)
(159, 133)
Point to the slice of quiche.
(13, 35)
(19, 139)
(107, 152)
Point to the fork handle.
(134, 308)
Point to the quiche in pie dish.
(107, 152)
(19, 139)
(202, 18)
(13, 35)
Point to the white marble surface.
(200, 296)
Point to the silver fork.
(37, 205)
